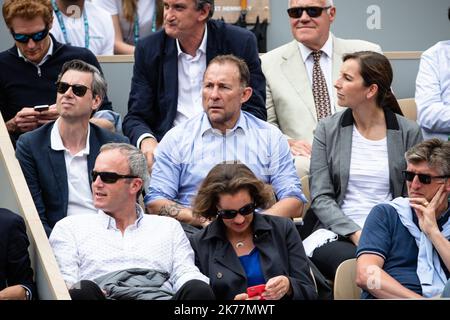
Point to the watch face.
(27, 294)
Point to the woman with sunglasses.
(243, 248)
(357, 158)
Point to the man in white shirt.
(289, 71)
(433, 91)
(56, 158)
(83, 24)
(121, 239)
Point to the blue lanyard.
(63, 26)
(136, 26)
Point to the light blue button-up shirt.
(433, 92)
(190, 150)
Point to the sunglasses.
(423, 178)
(78, 89)
(313, 12)
(24, 38)
(231, 214)
(110, 177)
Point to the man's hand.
(50, 115)
(300, 148)
(354, 237)
(16, 292)
(426, 211)
(148, 146)
(25, 120)
(103, 123)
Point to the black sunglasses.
(24, 38)
(423, 178)
(78, 89)
(110, 177)
(313, 12)
(231, 214)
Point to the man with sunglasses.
(122, 252)
(56, 159)
(404, 249)
(294, 104)
(30, 68)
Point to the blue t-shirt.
(252, 268)
(385, 235)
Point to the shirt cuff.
(142, 137)
(29, 293)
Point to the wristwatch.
(27, 293)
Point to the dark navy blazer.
(14, 259)
(153, 100)
(45, 169)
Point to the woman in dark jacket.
(242, 248)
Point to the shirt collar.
(327, 49)
(57, 144)
(46, 57)
(110, 223)
(201, 49)
(206, 125)
(391, 120)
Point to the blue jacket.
(15, 265)
(152, 105)
(281, 253)
(45, 169)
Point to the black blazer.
(15, 266)
(152, 104)
(45, 169)
(281, 253)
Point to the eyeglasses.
(423, 178)
(231, 214)
(24, 38)
(110, 177)
(78, 89)
(313, 12)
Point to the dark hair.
(244, 73)
(27, 9)
(98, 85)
(435, 152)
(376, 69)
(201, 3)
(230, 178)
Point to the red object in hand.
(256, 291)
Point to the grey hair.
(98, 85)
(433, 151)
(136, 159)
(201, 3)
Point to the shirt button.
(219, 275)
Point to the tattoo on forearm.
(171, 210)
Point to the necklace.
(239, 244)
